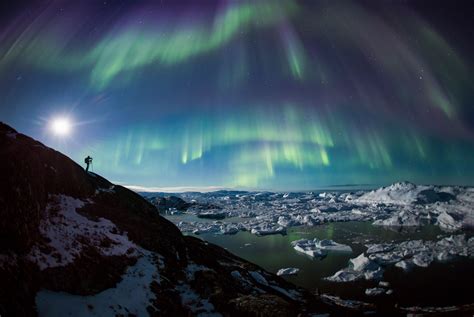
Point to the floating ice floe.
(318, 248)
(384, 284)
(382, 289)
(215, 227)
(347, 303)
(404, 255)
(399, 205)
(288, 271)
(267, 229)
(213, 214)
(460, 310)
(404, 218)
(359, 268)
(376, 291)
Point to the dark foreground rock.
(65, 230)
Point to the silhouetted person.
(88, 161)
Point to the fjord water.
(441, 284)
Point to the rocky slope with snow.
(73, 243)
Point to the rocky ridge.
(72, 241)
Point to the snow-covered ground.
(131, 296)
(66, 232)
(66, 235)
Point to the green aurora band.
(368, 100)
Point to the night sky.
(274, 95)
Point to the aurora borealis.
(280, 95)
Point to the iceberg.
(405, 265)
(267, 229)
(402, 193)
(345, 275)
(347, 303)
(423, 259)
(384, 284)
(288, 271)
(309, 249)
(362, 263)
(330, 245)
(359, 268)
(319, 248)
(403, 218)
(400, 205)
(447, 222)
(212, 214)
(375, 291)
(405, 255)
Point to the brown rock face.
(33, 177)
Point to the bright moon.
(61, 126)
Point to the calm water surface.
(440, 284)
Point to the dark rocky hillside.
(65, 230)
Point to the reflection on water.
(275, 251)
(440, 284)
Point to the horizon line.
(206, 189)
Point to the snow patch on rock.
(197, 305)
(192, 268)
(131, 296)
(66, 233)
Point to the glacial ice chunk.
(405, 265)
(359, 268)
(375, 291)
(446, 221)
(267, 229)
(423, 259)
(384, 284)
(361, 263)
(403, 218)
(288, 271)
(319, 248)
